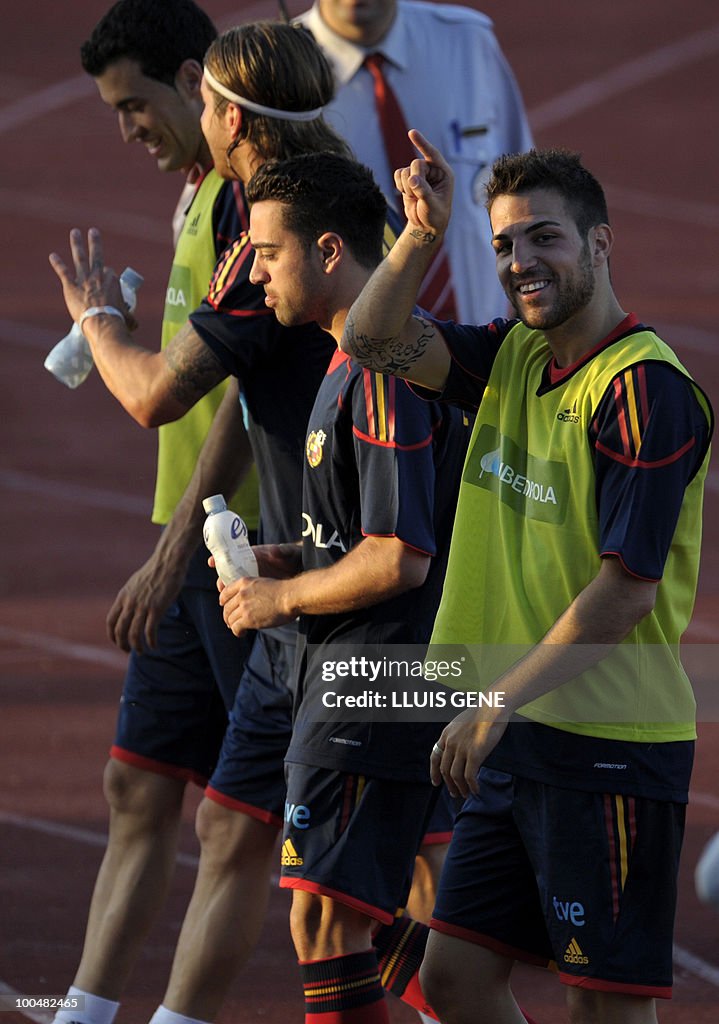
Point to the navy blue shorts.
(176, 698)
(353, 838)
(250, 772)
(441, 822)
(603, 911)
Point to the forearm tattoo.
(195, 373)
(388, 355)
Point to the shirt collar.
(347, 57)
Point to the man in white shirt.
(453, 83)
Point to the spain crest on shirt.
(313, 449)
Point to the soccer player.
(231, 332)
(381, 475)
(255, 110)
(145, 57)
(571, 578)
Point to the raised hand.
(426, 187)
(92, 283)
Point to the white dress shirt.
(453, 84)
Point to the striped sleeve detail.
(380, 408)
(231, 265)
(380, 402)
(631, 408)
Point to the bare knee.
(134, 792)
(452, 974)
(322, 927)
(231, 838)
(427, 869)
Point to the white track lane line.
(642, 68)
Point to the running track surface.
(632, 87)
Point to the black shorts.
(352, 837)
(177, 696)
(250, 772)
(603, 908)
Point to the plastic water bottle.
(71, 359)
(225, 535)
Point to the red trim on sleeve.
(622, 420)
(369, 405)
(412, 547)
(636, 575)
(391, 444)
(635, 463)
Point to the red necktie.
(436, 294)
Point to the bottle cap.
(215, 503)
(131, 278)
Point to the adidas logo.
(290, 858)
(194, 224)
(569, 415)
(574, 955)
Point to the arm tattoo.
(423, 236)
(388, 355)
(196, 370)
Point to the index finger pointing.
(428, 151)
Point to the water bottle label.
(238, 528)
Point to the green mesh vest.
(525, 543)
(180, 442)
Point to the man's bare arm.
(375, 570)
(223, 462)
(599, 618)
(381, 331)
(154, 387)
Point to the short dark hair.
(326, 192)
(159, 34)
(558, 170)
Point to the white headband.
(257, 108)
